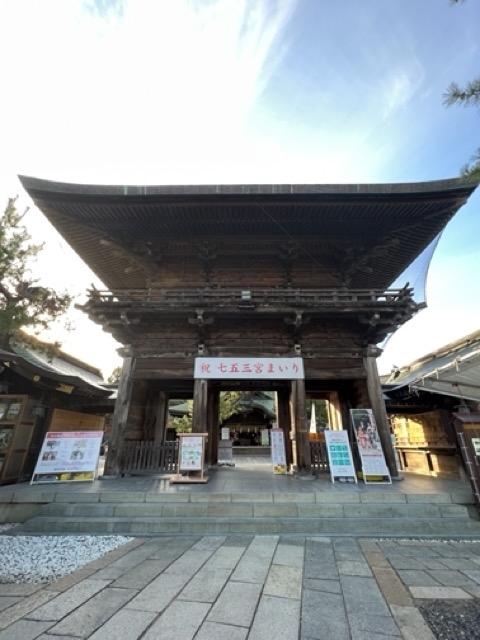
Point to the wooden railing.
(146, 457)
(256, 297)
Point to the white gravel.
(43, 559)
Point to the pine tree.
(23, 302)
(467, 96)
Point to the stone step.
(305, 510)
(447, 527)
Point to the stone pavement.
(248, 587)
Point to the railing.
(145, 457)
(319, 457)
(256, 297)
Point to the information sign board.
(279, 458)
(374, 467)
(340, 456)
(68, 456)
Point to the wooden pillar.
(120, 416)
(282, 416)
(302, 443)
(199, 418)
(377, 404)
(211, 423)
(161, 417)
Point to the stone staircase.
(332, 513)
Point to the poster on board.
(68, 456)
(279, 458)
(374, 467)
(340, 456)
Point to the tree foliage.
(23, 302)
(467, 96)
(114, 377)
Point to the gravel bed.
(44, 559)
(452, 620)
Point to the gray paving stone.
(417, 578)
(123, 625)
(206, 585)
(473, 574)
(451, 578)
(320, 560)
(329, 586)
(64, 603)
(255, 562)
(24, 630)
(411, 623)
(10, 589)
(289, 555)
(236, 604)
(25, 606)
(8, 601)
(226, 557)
(217, 631)
(159, 593)
(276, 618)
(370, 625)
(141, 575)
(189, 562)
(90, 616)
(352, 568)
(362, 595)
(284, 582)
(439, 593)
(323, 617)
(180, 620)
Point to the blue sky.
(244, 91)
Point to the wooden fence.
(146, 457)
(319, 457)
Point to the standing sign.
(279, 458)
(191, 458)
(374, 467)
(68, 456)
(340, 456)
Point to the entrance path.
(239, 588)
(252, 587)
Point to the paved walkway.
(247, 587)
(238, 588)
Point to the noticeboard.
(191, 458)
(279, 459)
(374, 467)
(340, 456)
(68, 456)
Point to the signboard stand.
(68, 456)
(374, 467)
(191, 459)
(225, 454)
(279, 459)
(340, 456)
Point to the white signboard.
(68, 456)
(191, 452)
(340, 456)
(374, 467)
(249, 368)
(279, 459)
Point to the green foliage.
(23, 303)
(467, 96)
(227, 407)
(114, 377)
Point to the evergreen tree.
(23, 302)
(467, 96)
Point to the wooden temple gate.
(248, 271)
